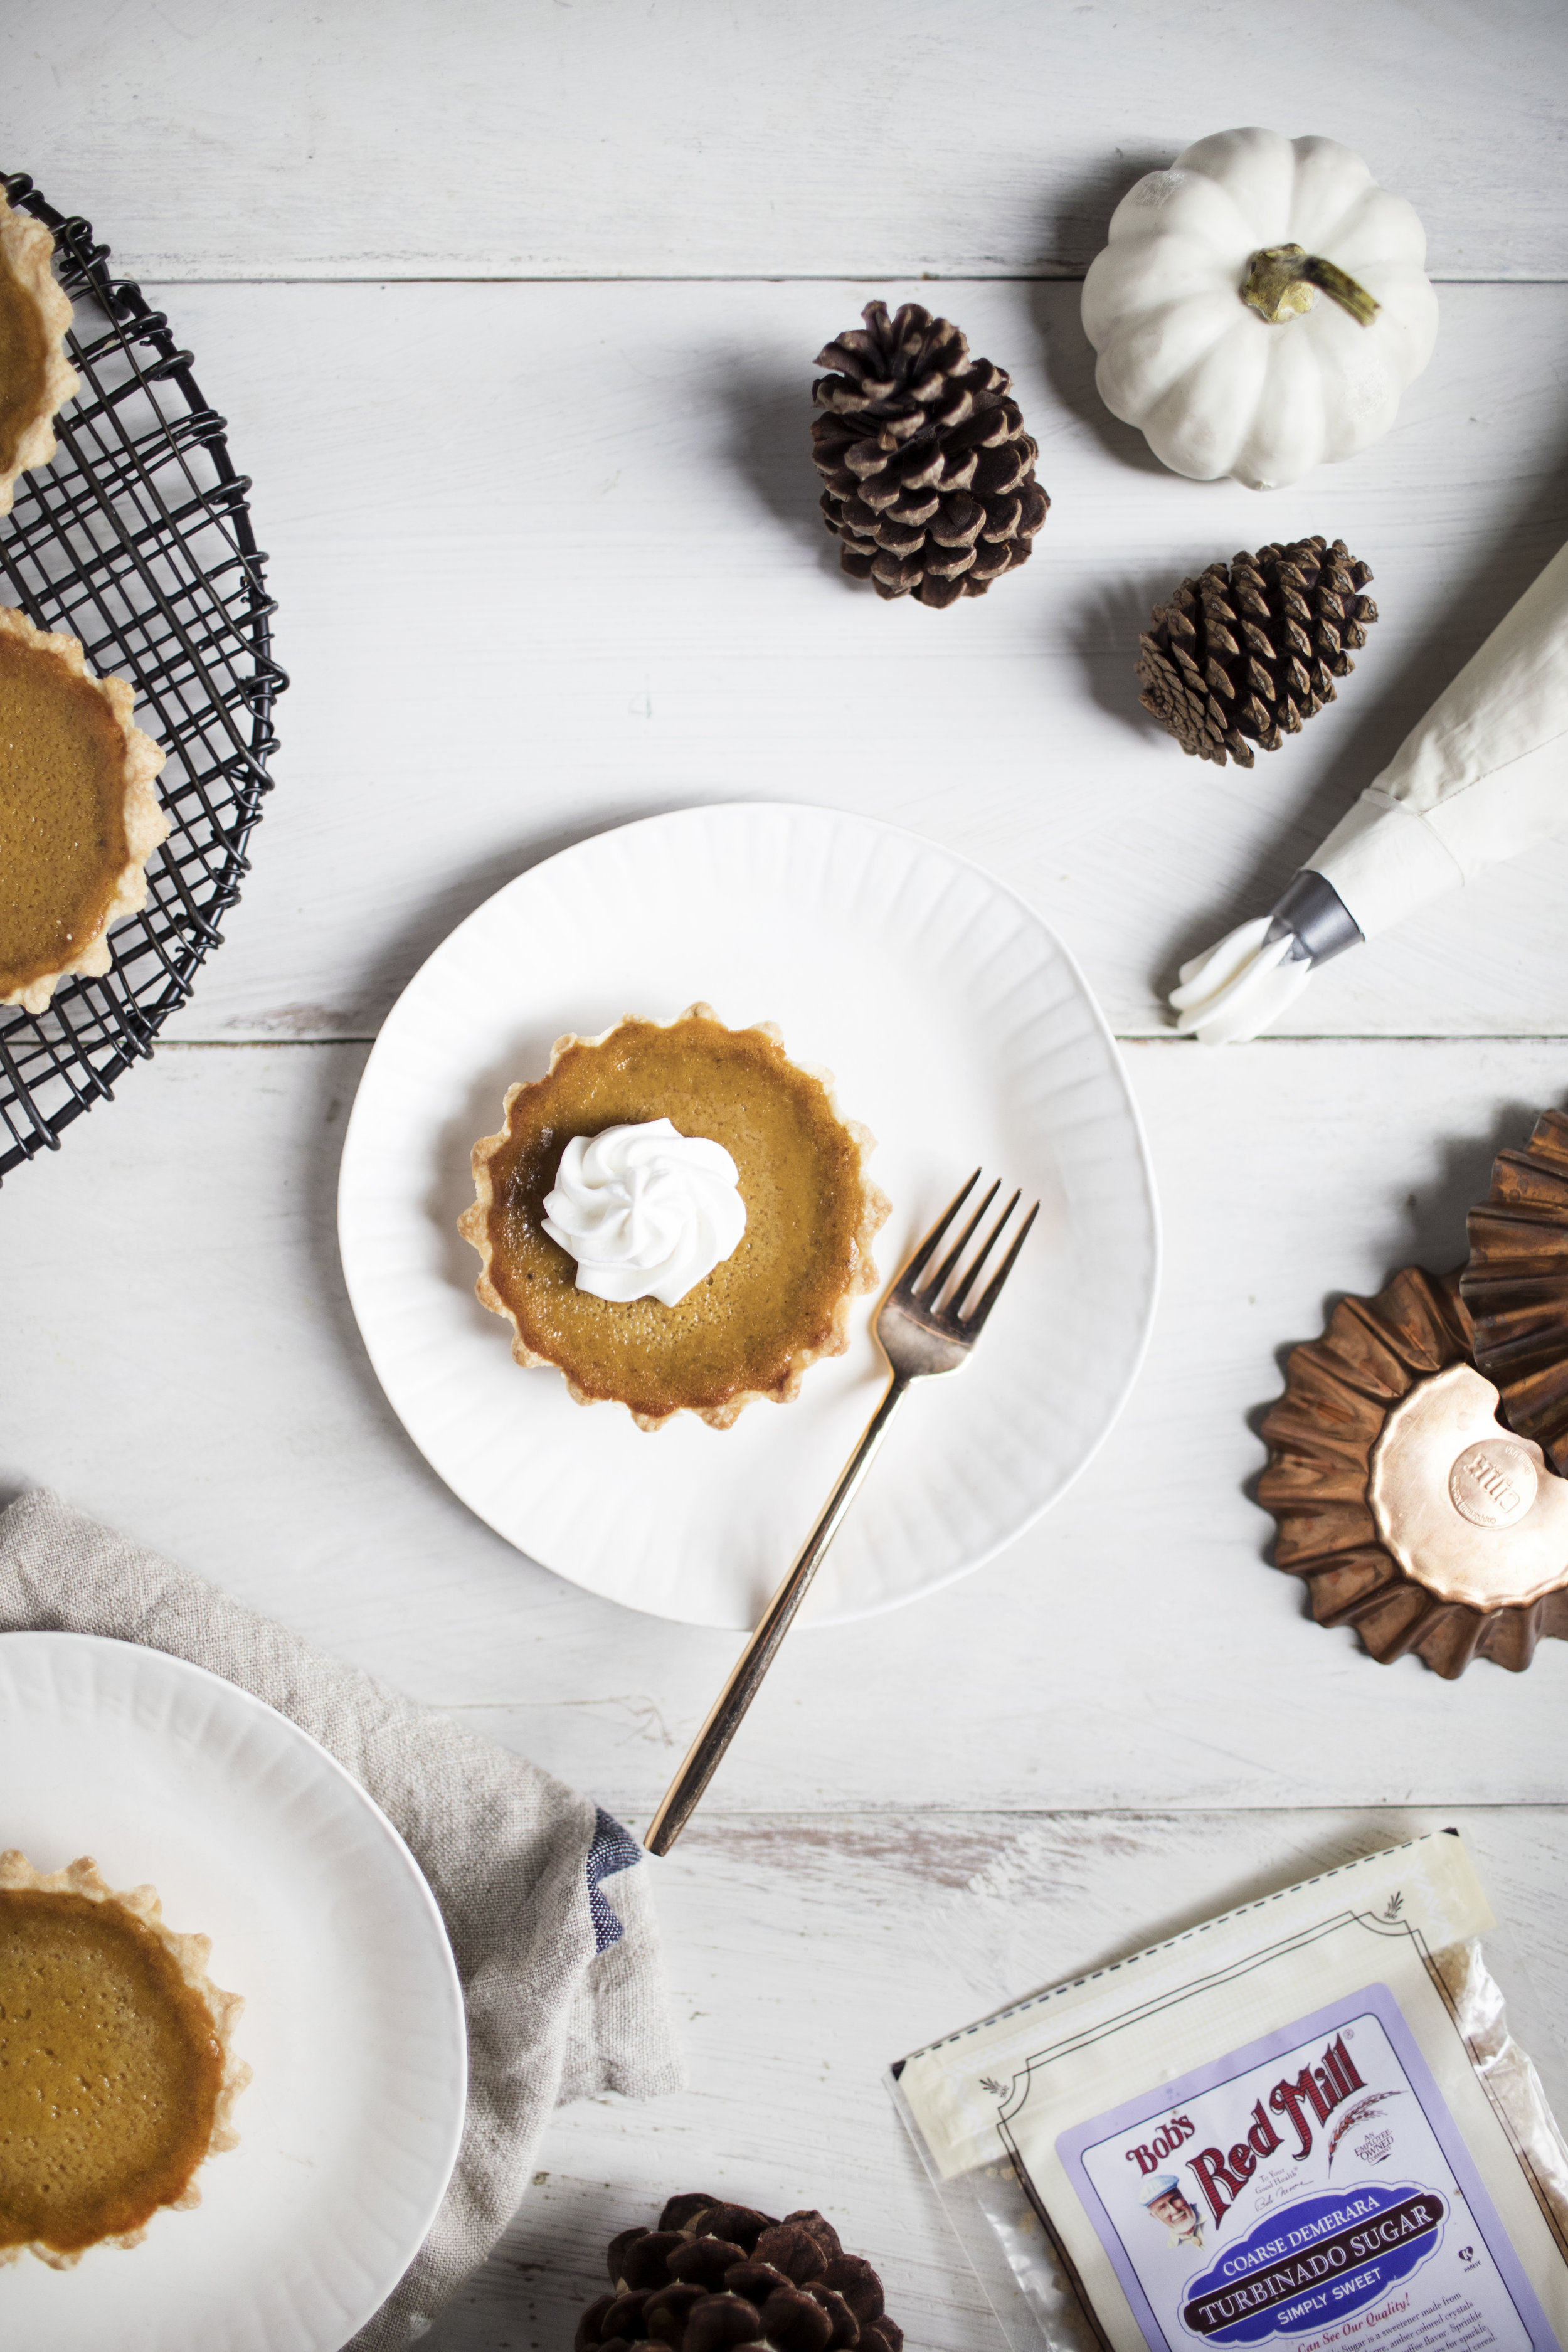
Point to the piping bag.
(1482, 778)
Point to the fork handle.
(685, 1792)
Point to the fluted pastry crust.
(145, 821)
(26, 253)
(477, 1225)
(190, 1955)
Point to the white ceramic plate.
(353, 2015)
(957, 1027)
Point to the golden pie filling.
(36, 379)
(748, 1328)
(24, 363)
(78, 813)
(62, 812)
(115, 2074)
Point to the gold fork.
(920, 1336)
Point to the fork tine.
(972, 1323)
(971, 1276)
(916, 1266)
(938, 1283)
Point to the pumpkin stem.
(1281, 282)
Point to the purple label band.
(1342, 2250)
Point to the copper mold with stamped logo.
(1473, 1515)
(1411, 1513)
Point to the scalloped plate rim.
(351, 1219)
(137, 1669)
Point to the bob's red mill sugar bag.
(1304, 2126)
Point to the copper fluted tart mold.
(1409, 1510)
(1515, 1286)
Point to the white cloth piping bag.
(1481, 777)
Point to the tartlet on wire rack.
(118, 2074)
(755, 1323)
(79, 814)
(36, 377)
(1410, 1511)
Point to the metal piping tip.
(1242, 986)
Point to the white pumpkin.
(1216, 386)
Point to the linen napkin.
(550, 1916)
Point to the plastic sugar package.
(1305, 2122)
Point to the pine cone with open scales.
(1249, 651)
(929, 473)
(714, 2274)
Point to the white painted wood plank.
(179, 1357)
(569, 569)
(807, 1954)
(612, 137)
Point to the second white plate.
(960, 1031)
(352, 2023)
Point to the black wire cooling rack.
(137, 539)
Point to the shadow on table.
(1103, 632)
(1073, 235)
(766, 442)
(1425, 1227)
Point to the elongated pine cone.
(1246, 652)
(929, 473)
(713, 2275)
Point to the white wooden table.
(512, 306)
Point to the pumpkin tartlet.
(78, 815)
(117, 2070)
(36, 377)
(752, 1327)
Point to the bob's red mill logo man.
(1222, 2173)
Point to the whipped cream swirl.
(647, 1212)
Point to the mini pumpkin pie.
(619, 1172)
(36, 377)
(117, 2070)
(78, 815)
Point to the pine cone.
(929, 473)
(1246, 652)
(713, 2275)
